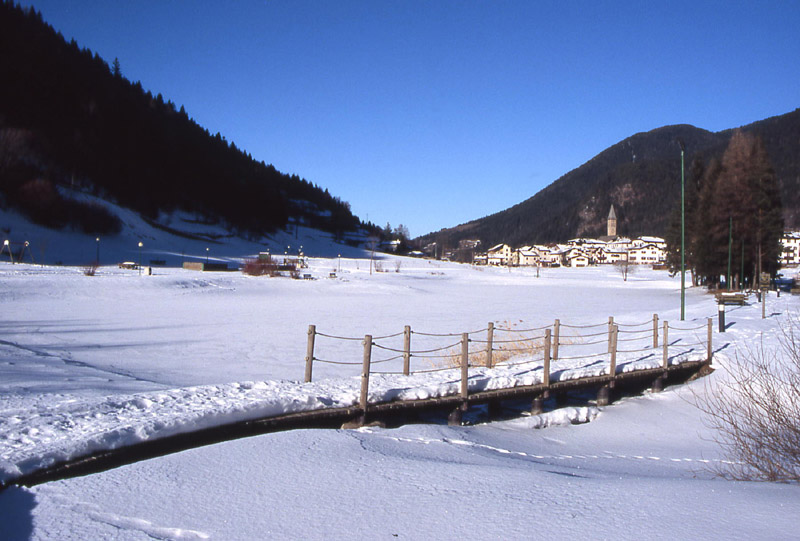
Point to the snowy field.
(78, 350)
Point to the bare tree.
(755, 411)
(624, 267)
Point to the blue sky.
(434, 113)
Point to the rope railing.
(648, 322)
(440, 335)
(386, 348)
(351, 338)
(580, 344)
(395, 335)
(582, 356)
(346, 363)
(604, 333)
(642, 331)
(583, 326)
(510, 329)
(687, 328)
(533, 339)
(538, 352)
(388, 360)
(635, 339)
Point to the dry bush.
(755, 412)
(397, 264)
(506, 346)
(90, 269)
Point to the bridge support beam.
(659, 383)
(537, 406)
(456, 417)
(604, 395)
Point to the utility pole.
(683, 236)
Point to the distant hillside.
(641, 177)
(67, 118)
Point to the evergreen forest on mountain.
(68, 118)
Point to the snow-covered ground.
(89, 362)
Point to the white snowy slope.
(87, 362)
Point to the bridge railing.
(616, 346)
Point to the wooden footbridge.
(447, 374)
(607, 358)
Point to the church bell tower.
(612, 223)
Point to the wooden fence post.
(365, 372)
(489, 345)
(710, 334)
(464, 365)
(655, 331)
(312, 334)
(546, 367)
(456, 416)
(666, 344)
(556, 336)
(407, 350)
(612, 370)
(610, 331)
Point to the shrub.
(90, 269)
(755, 412)
(264, 266)
(506, 346)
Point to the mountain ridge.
(640, 175)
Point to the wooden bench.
(732, 298)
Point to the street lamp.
(683, 237)
(97, 259)
(140, 257)
(340, 263)
(206, 256)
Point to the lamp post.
(206, 257)
(340, 263)
(683, 237)
(97, 259)
(140, 257)
(730, 245)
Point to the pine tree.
(744, 198)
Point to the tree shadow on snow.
(16, 513)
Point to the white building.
(646, 254)
(500, 254)
(527, 256)
(791, 248)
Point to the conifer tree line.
(733, 217)
(68, 118)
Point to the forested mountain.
(641, 177)
(68, 118)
